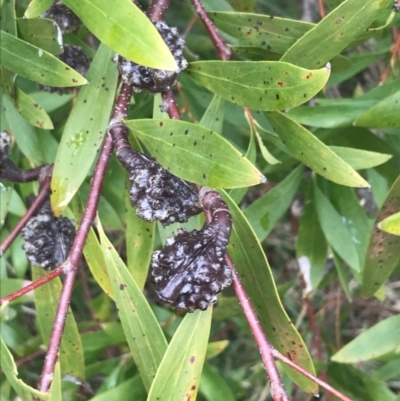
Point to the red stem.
(72, 263)
(157, 10)
(301, 370)
(278, 392)
(170, 105)
(224, 51)
(42, 196)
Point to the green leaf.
(125, 29)
(213, 117)
(36, 64)
(32, 111)
(6, 191)
(55, 388)
(214, 387)
(178, 376)
(139, 245)
(41, 32)
(195, 153)
(8, 17)
(260, 85)
(377, 341)
(383, 114)
(335, 231)
(37, 7)
(85, 129)
(9, 368)
(145, 338)
(360, 159)
(131, 389)
(24, 133)
(391, 224)
(311, 246)
(46, 303)
(215, 348)
(256, 277)
(266, 211)
(312, 152)
(263, 31)
(330, 36)
(384, 249)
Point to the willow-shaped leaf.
(312, 152)
(195, 153)
(37, 7)
(124, 28)
(384, 249)
(143, 333)
(36, 64)
(260, 85)
(337, 30)
(84, 131)
(178, 376)
(256, 277)
(9, 368)
(46, 303)
(391, 224)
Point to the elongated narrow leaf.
(265, 212)
(384, 249)
(46, 303)
(391, 224)
(139, 245)
(213, 117)
(256, 277)
(37, 8)
(335, 231)
(8, 23)
(260, 85)
(264, 31)
(214, 387)
(125, 29)
(312, 152)
(84, 131)
(311, 246)
(55, 388)
(9, 368)
(195, 153)
(36, 64)
(178, 376)
(360, 159)
(131, 389)
(145, 338)
(330, 36)
(41, 32)
(383, 114)
(24, 133)
(32, 111)
(377, 341)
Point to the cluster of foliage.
(328, 216)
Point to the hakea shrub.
(153, 80)
(191, 270)
(48, 239)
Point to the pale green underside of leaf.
(37, 8)
(391, 224)
(179, 373)
(36, 64)
(124, 28)
(377, 341)
(195, 153)
(313, 153)
(260, 85)
(85, 129)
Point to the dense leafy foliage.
(299, 133)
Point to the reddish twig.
(301, 370)
(157, 10)
(170, 106)
(224, 51)
(395, 50)
(278, 392)
(28, 288)
(72, 263)
(42, 196)
(321, 9)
